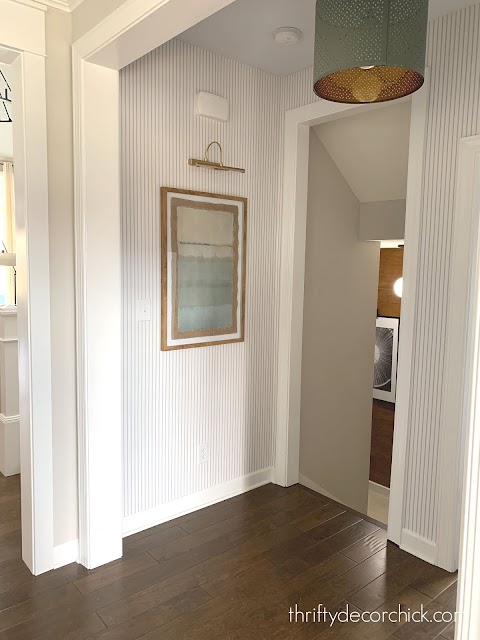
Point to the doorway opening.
(355, 224)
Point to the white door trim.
(297, 123)
(292, 276)
(463, 382)
(22, 31)
(128, 33)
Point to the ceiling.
(243, 31)
(371, 151)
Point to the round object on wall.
(398, 287)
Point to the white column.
(33, 303)
(99, 312)
(9, 418)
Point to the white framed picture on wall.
(385, 359)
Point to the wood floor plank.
(156, 617)
(317, 517)
(9, 566)
(336, 543)
(59, 598)
(389, 585)
(22, 589)
(448, 633)
(156, 540)
(423, 630)
(59, 624)
(367, 547)
(434, 581)
(121, 570)
(206, 619)
(334, 525)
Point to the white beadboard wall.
(224, 395)
(453, 55)
(231, 389)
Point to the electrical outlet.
(203, 453)
(144, 311)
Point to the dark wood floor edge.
(363, 516)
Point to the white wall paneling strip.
(231, 389)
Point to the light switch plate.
(144, 311)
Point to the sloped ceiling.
(371, 151)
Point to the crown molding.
(31, 3)
(62, 5)
(74, 4)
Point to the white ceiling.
(371, 151)
(243, 31)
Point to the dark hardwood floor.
(230, 572)
(383, 419)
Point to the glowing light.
(398, 287)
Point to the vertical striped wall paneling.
(231, 389)
(224, 395)
(453, 113)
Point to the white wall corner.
(64, 554)
(188, 504)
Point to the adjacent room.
(355, 224)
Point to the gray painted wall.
(341, 281)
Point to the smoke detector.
(287, 35)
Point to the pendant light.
(369, 50)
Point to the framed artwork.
(203, 268)
(385, 359)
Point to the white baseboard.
(419, 546)
(378, 488)
(306, 482)
(65, 554)
(153, 517)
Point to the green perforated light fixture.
(369, 50)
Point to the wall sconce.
(398, 287)
(217, 166)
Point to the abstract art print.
(203, 268)
(385, 359)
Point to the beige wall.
(91, 12)
(384, 220)
(61, 236)
(341, 279)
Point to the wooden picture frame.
(203, 278)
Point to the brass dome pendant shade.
(369, 50)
